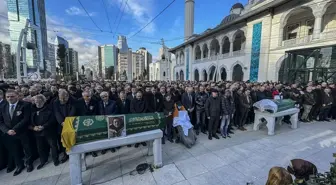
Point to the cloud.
(77, 11)
(4, 24)
(86, 47)
(141, 11)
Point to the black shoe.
(30, 168)
(56, 163)
(228, 136)
(18, 170)
(230, 132)
(129, 146)
(328, 120)
(171, 140)
(40, 165)
(103, 152)
(163, 141)
(177, 140)
(144, 144)
(64, 159)
(136, 145)
(197, 132)
(224, 136)
(113, 150)
(204, 132)
(94, 154)
(215, 136)
(210, 137)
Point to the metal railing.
(297, 41)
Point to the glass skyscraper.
(108, 55)
(18, 12)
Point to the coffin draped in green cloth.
(273, 106)
(91, 128)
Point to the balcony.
(238, 53)
(297, 41)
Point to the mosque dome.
(237, 6)
(229, 18)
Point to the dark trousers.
(236, 118)
(200, 120)
(213, 124)
(324, 111)
(315, 111)
(14, 145)
(169, 127)
(192, 118)
(43, 145)
(243, 117)
(3, 155)
(332, 112)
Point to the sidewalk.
(246, 157)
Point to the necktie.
(190, 99)
(11, 111)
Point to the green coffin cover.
(284, 104)
(136, 123)
(90, 128)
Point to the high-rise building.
(147, 60)
(72, 62)
(60, 40)
(18, 13)
(122, 44)
(138, 65)
(51, 62)
(7, 65)
(108, 59)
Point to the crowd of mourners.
(32, 115)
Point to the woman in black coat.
(44, 126)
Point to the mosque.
(265, 40)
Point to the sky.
(67, 18)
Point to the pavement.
(246, 157)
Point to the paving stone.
(168, 175)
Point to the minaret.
(189, 18)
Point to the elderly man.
(62, 108)
(107, 107)
(139, 105)
(188, 101)
(14, 120)
(43, 124)
(87, 106)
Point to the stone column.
(317, 24)
(209, 49)
(201, 52)
(231, 49)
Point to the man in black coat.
(106, 105)
(131, 95)
(139, 105)
(87, 106)
(43, 124)
(123, 104)
(62, 108)
(14, 121)
(188, 101)
(213, 110)
(245, 104)
(154, 100)
(3, 151)
(201, 98)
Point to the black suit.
(123, 107)
(19, 123)
(90, 109)
(62, 111)
(109, 109)
(244, 108)
(48, 136)
(188, 101)
(3, 151)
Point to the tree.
(110, 72)
(83, 69)
(61, 54)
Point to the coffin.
(273, 106)
(82, 129)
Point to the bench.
(77, 152)
(271, 119)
